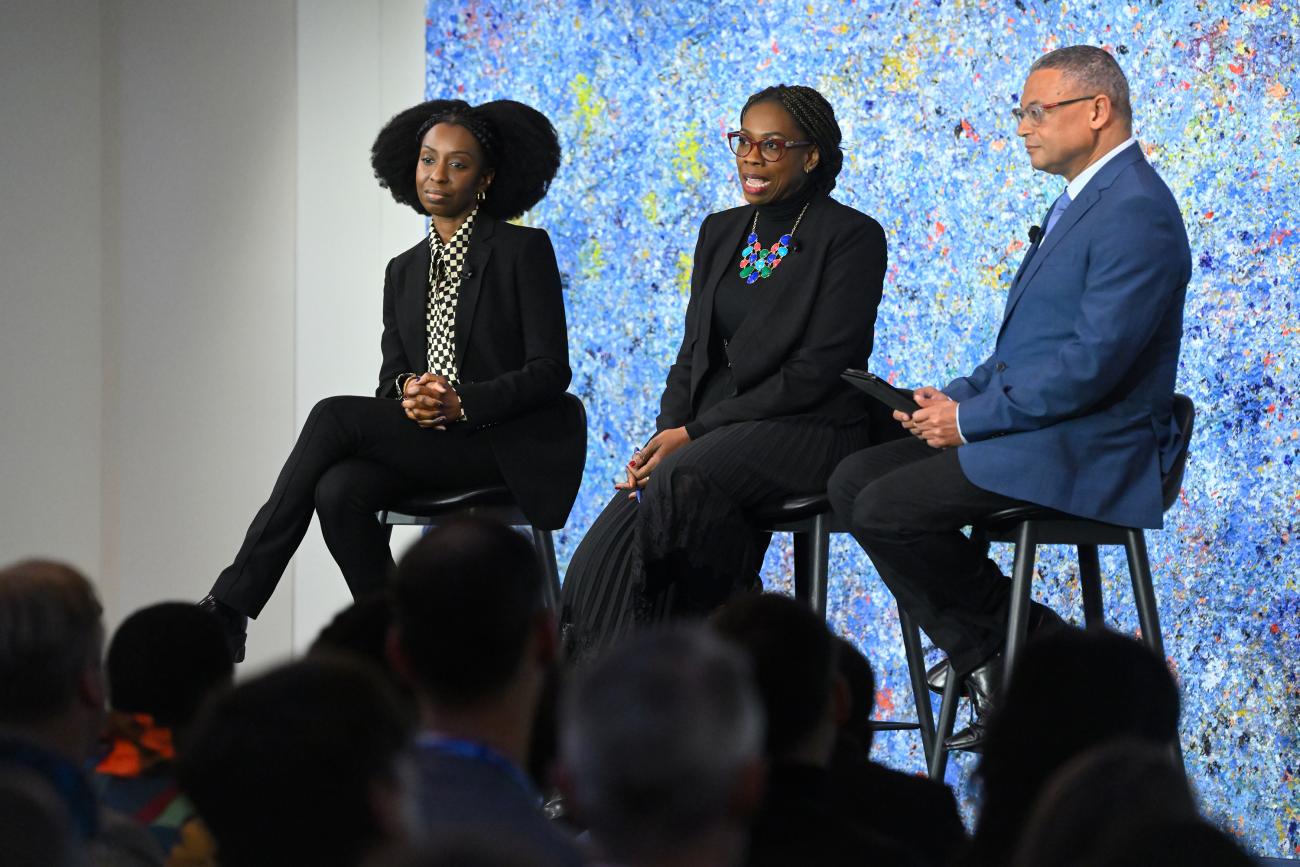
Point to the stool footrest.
(891, 725)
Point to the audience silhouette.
(302, 765)
(430, 725)
(1071, 691)
(662, 750)
(801, 821)
(472, 636)
(163, 661)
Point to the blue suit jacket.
(1073, 410)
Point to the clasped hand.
(936, 420)
(645, 460)
(430, 401)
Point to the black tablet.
(894, 398)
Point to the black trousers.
(354, 456)
(906, 504)
(689, 543)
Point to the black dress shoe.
(982, 686)
(1042, 620)
(233, 624)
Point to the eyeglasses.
(771, 149)
(1038, 113)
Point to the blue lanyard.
(478, 752)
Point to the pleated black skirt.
(689, 543)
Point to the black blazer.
(512, 352)
(787, 356)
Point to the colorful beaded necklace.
(757, 263)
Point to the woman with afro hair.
(475, 361)
(784, 292)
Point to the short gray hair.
(655, 736)
(1094, 69)
(51, 631)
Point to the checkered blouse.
(446, 265)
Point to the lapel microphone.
(794, 245)
(1035, 234)
(469, 272)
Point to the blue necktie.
(1057, 210)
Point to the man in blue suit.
(1073, 410)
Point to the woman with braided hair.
(475, 361)
(783, 298)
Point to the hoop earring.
(482, 195)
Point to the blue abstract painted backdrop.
(642, 93)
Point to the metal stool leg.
(544, 545)
(812, 563)
(820, 543)
(920, 690)
(1021, 578)
(1090, 585)
(943, 731)
(1139, 570)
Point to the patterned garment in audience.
(136, 778)
(446, 264)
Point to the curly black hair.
(814, 115)
(518, 142)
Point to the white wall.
(200, 156)
(191, 253)
(359, 63)
(50, 246)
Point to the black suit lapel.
(413, 310)
(471, 281)
(725, 234)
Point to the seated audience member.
(1171, 843)
(361, 631)
(464, 850)
(34, 827)
(1071, 691)
(661, 750)
(474, 639)
(801, 820)
(917, 813)
(1101, 804)
(303, 765)
(162, 662)
(52, 701)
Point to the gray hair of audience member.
(1116, 787)
(51, 633)
(1094, 70)
(656, 737)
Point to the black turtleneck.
(784, 209)
(733, 300)
(734, 297)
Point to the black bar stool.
(1029, 526)
(493, 503)
(811, 521)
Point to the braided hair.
(518, 142)
(816, 119)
